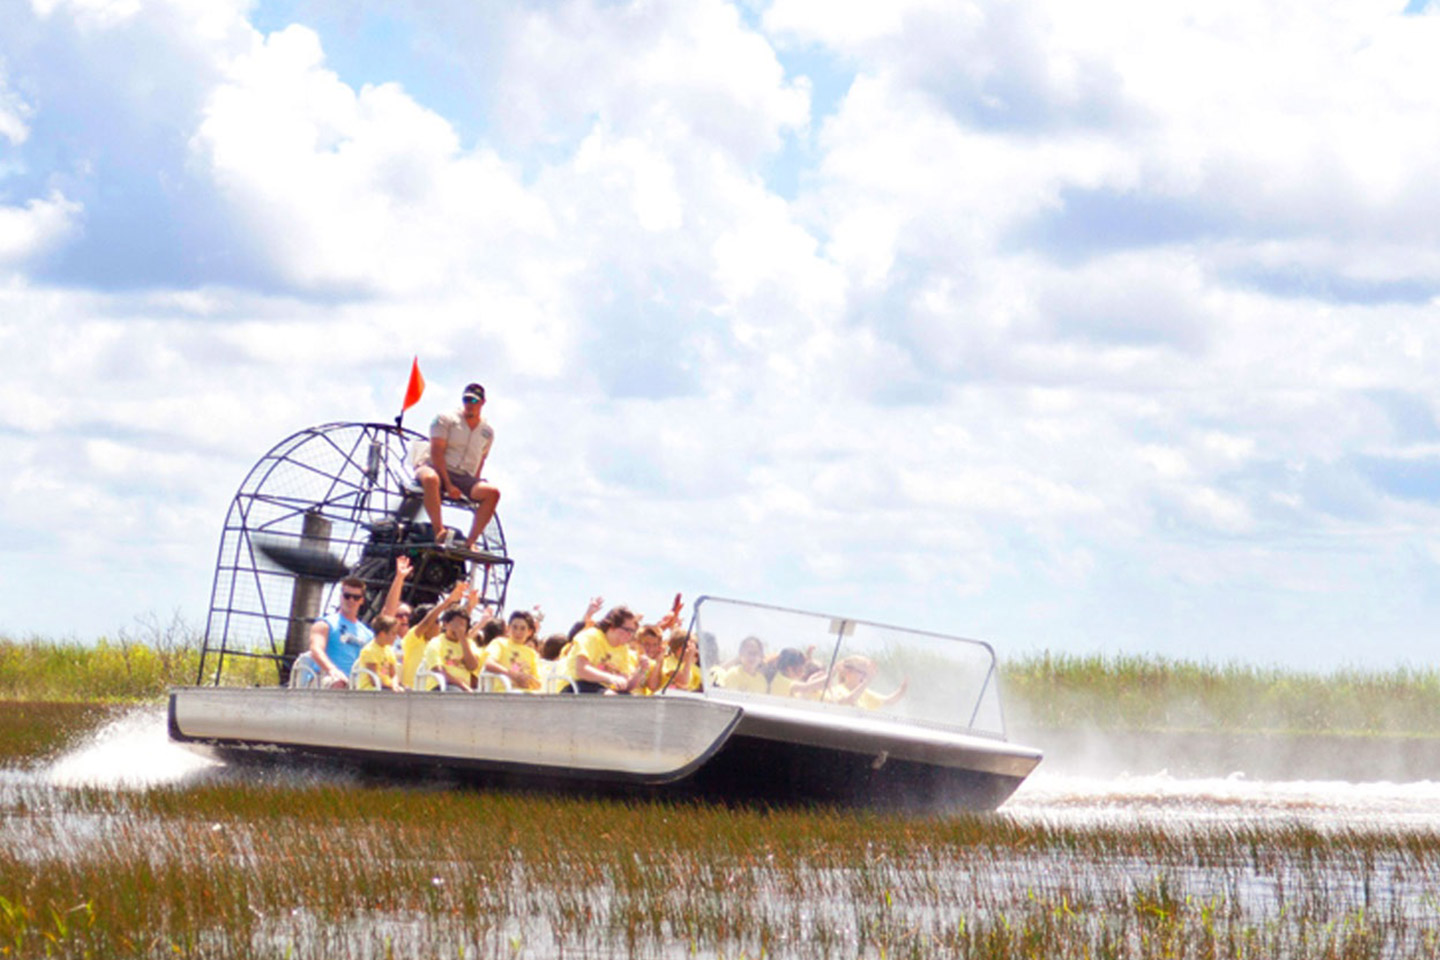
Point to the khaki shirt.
(465, 449)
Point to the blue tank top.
(346, 639)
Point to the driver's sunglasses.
(352, 596)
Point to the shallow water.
(134, 752)
(934, 888)
(1163, 800)
(129, 753)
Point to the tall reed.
(1148, 692)
(251, 869)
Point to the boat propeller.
(308, 562)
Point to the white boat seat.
(493, 683)
(559, 685)
(304, 672)
(427, 680)
(358, 672)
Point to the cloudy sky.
(1083, 327)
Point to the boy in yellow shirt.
(412, 647)
(377, 658)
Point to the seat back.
(494, 683)
(426, 680)
(305, 673)
(363, 678)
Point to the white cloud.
(1063, 308)
(687, 73)
(35, 228)
(13, 112)
(363, 190)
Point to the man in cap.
(459, 443)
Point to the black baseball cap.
(474, 391)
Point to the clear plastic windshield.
(824, 662)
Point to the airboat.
(339, 500)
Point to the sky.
(1089, 328)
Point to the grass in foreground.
(256, 871)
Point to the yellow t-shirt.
(452, 659)
(380, 659)
(780, 685)
(412, 650)
(867, 700)
(595, 646)
(672, 664)
(504, 652)
(737, 679)
(429, 661)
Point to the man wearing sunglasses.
(337, 638)
(451, 465)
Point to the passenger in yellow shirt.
(554, 677)
(601, 658)
(852, 685)
(427, 628)
(378, 656)
(513, 655)
(649, 648)
(797, 675)
(458, 657)
(681, 670)
(745, 675)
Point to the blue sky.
(1100, 328)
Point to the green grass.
(255, 870)
(266, 868)
(132, 665)
(1044, 691)
(38, 731)
(1154, 693)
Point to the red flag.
(416, 386)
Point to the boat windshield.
(821, 662)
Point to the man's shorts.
(463, 481)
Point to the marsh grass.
(247, 870)
(38, 731)
(1154, 693)
(1046, 691)
(136, 664)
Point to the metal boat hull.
(790, 749)
(606, 739)
(692, 743)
